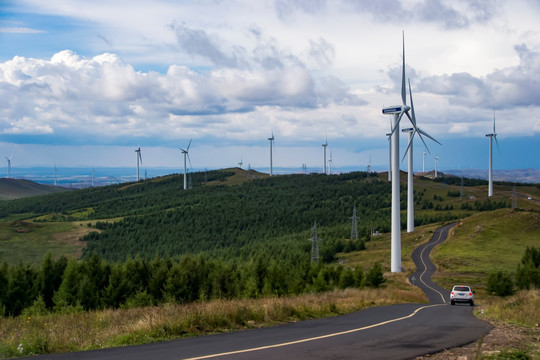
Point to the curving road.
(389, 332)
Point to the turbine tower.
(330, 163)
(9, 165)
(410, 173)
(424, 162)
(186, 157)
(369, 166)
(271, 139)
(324, 160)
(389, 136)
(55, 171)
(491, 136)
(436, 160)
(139, 158)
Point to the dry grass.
(521, 308)
(109, 328)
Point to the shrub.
(500, 284)
(374, 277)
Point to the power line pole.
(354, 228)
(315, 245)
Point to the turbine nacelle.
(396, 109)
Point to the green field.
(29, 241)
(484, 243)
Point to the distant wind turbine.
(324, 159)
(271, 139)
(491, 136)
(330, 163)
(9, 165)
(186, 157)
(240, 163)
(55, 171)
(139, 157)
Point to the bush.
(374, 277)
(500, 284)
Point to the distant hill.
(516, 175)
(19, 188)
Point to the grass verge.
(55, 333)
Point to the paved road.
(389, 332)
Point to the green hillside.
(20, 188)
(235, 214)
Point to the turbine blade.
(409, 146)
(140, 157)
(428, 136)
(189, 145)
(403, 90)
(494, 122)
(189, 159)
(397, 123)
(497, 143)
(421, 138)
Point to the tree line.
(62, 285)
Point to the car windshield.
(461, 288)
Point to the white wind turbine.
(9, 165)
(186, 157)
(397, 111)
(330, 163)
(324, 158)
(55, 171)
(271, 139)
(491, 136)
(139, 157)
(410, 170)
(240, 163)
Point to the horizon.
(86, 84)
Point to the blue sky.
(83, 83)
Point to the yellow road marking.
(313, 338)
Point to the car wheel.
(472, 303)
(452, 302)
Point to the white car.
(462, 293)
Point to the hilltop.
(20, 188)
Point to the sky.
(84, 83)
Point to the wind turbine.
(240, 163)
(369, 166)
(55, 171)
(410, 172)
(139, 157)
(271, 139)
(491, 136)
(186, 157)
(9, 165)
(330, 163)
(397, 111)
(324, 160)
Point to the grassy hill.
(232, 213)
(20, 188)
